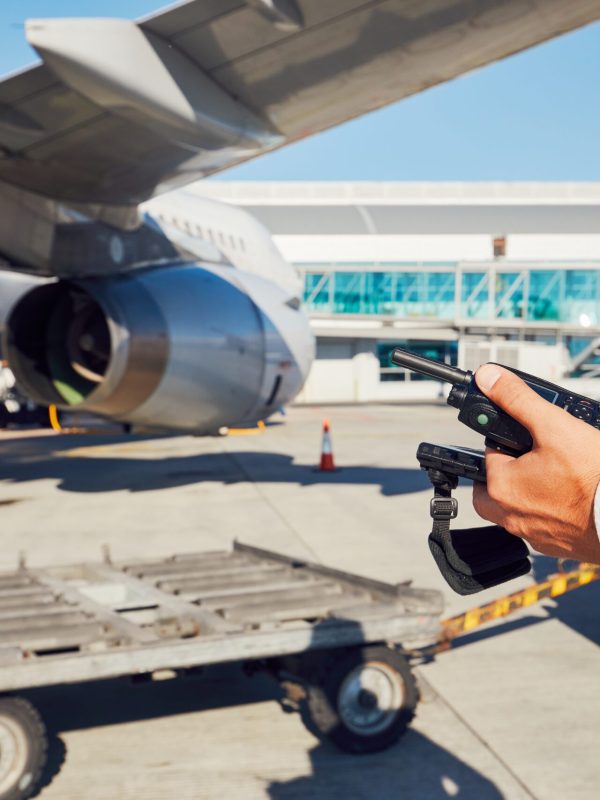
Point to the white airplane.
(180, 312)
(207, 335)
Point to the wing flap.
(242, 31)
(169, 22)
(119, 111)
(17, 87)
(377, 53)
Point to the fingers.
(513, 395)
(485, 506)
(496, 460)
(489, 508)
(500, 474)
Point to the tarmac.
(511, 712)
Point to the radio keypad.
(583, 411)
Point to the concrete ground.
(513, 712)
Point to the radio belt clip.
(471, 559)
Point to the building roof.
(296, 208)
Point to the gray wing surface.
(120, 110)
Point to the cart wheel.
(23, 747)
(366, 701)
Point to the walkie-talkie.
(453, 461)
(475, 410)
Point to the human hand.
(545, 496)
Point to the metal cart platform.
(331, 634)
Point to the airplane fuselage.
(211, 338)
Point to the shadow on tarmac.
(415, 768)
(57, 458)
(577, 609)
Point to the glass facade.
(439, 351)
(475, 300)
(457, 292)
(398, 292)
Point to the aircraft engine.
(180, 347)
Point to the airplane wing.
(121, 110)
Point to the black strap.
(471, 559)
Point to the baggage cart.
(334, 640)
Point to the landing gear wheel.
(23, 747)
(365, 701)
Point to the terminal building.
(462, 272)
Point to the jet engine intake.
(177, 347)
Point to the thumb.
(513, 395)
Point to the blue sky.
(534, 116)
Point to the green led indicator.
(483, 419)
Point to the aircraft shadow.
(51, 459)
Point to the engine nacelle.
(182, 347)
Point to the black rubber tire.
(22, 713)
(322, 701)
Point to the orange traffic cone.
(327, 463)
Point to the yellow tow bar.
(554, 586)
